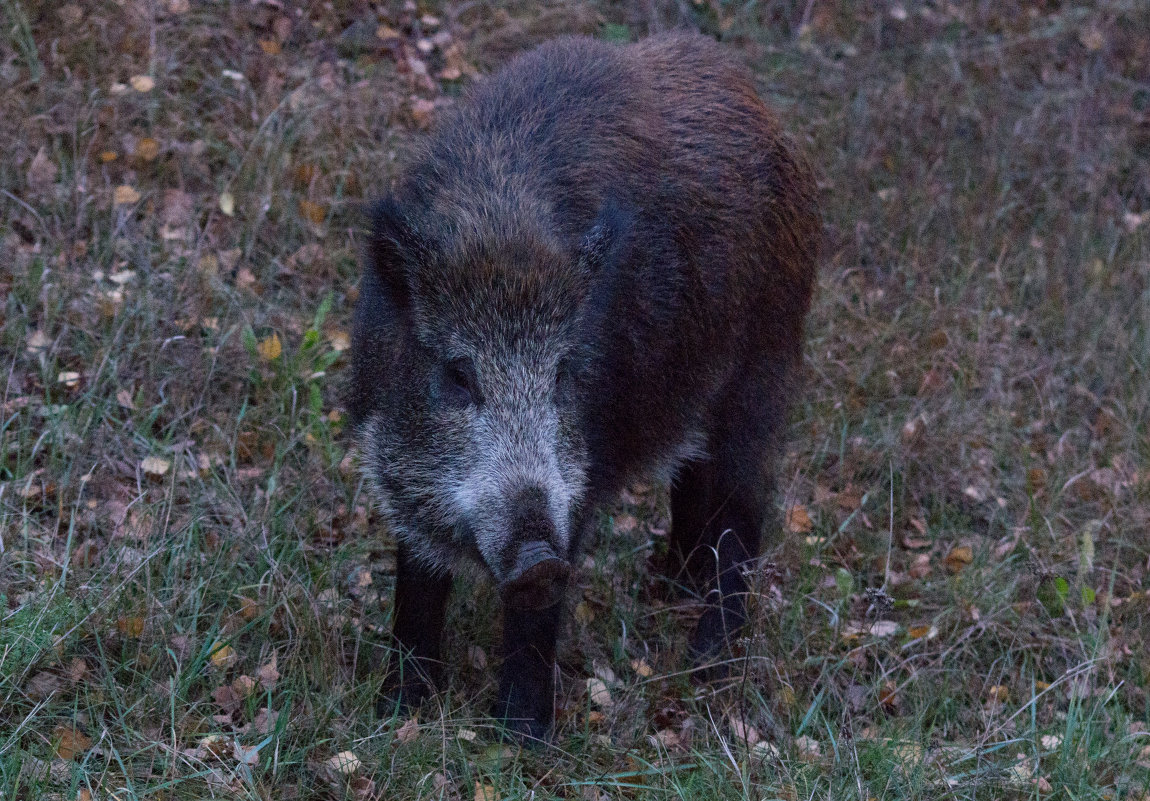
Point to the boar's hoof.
(539, 579)
(401, 695)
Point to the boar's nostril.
(538, 580)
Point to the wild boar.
(595, 270)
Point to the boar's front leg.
(417, 615)
(527, 680)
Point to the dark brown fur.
(641, 207)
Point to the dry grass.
(977, 380)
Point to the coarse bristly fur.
(596, 269)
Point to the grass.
(196, 595)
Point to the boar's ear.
(393, 247)
(604, 245)
(602, 253)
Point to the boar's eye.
(459, 385)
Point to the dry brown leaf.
(408, 731)
(641, 667)
(42, 173)
(243, 685)
(77, 670)
(743, 731)
(130, 626)
(959, 557)
(147, 149)
(70, 743)
(106, 156)
(798, 520)
(268, 674)
(998, 693)
(485, 792)
(270, 47)
(312, 211)
(125, 195)
(270, 348)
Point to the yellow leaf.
(124, 195)
(798, 520)
(340, 340)
(142, 83)
(270, 348)
(999, 693)
(959, 557)
(485, 792)
(223, 656)
(312, 211)
(918, 632)
(107, 155)
(270, 46)
(147, 149)
(641, 667)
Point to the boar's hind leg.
(420, 602)
(720, 506)
(527, 679)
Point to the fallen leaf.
(743, 731)
(124, 398)
(155, 466)
(884, 628)
(339, 339)
(270, 348)
(37, 342)
(42, 172)
(798, 520)
(243, 685)
(408, 731)
(598, 693)
(179, 6)
(245, 755)
(70, 743)
(959, 557)
(130, 626)
(919, 632)
(271, 47)
(69, 379)
(485, 792)
(999, 694)
(124, 195)
(223, 656)
(345, 763)
(227, 203)
(268, 674)
(106, 156)
(1051, 742)
(142, 83)
(920, 567)
(641, 667)
(312, 211)
(808, 748)
(147, 149)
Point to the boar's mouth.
(539, 579)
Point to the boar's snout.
(536, 576)
(539, 578)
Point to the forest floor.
(194, 591)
